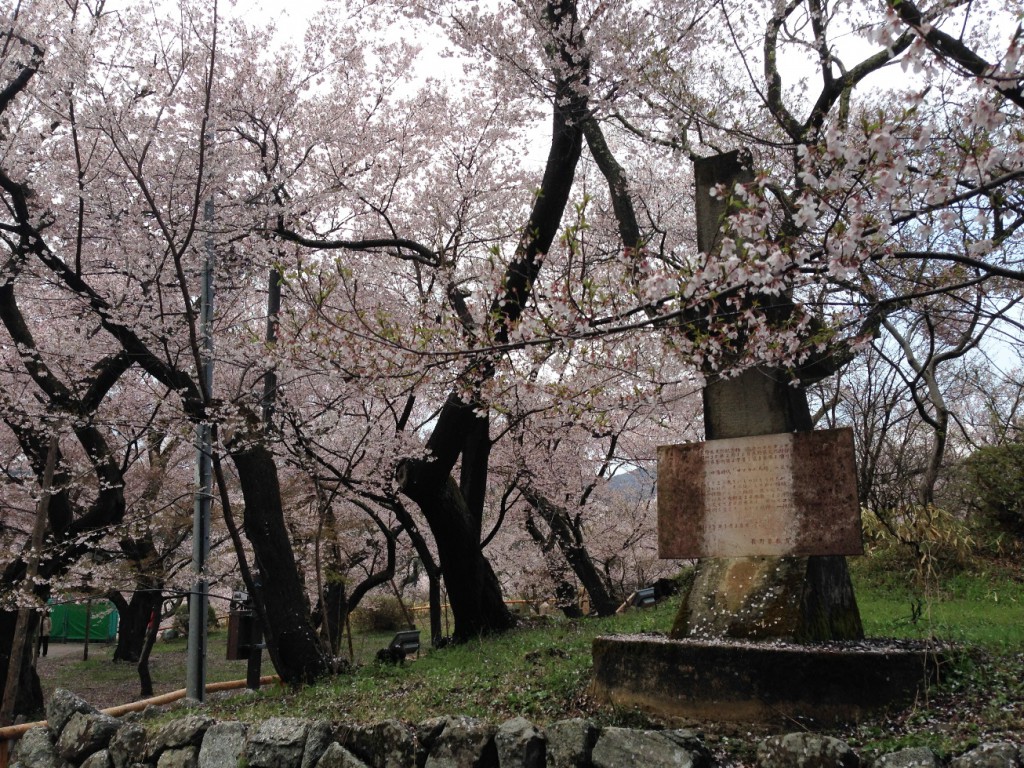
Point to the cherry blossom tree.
(148, 131)
(428, 266)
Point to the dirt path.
(104, 683)
(100, 682)
(58, 652)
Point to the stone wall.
(78, 736)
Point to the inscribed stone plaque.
(786, 494)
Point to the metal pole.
(199, 599)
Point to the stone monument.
(770, 509)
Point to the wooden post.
(88, 628)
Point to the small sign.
(785, 494)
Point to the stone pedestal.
(745, 682)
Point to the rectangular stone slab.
(738, 682)
(785, 494)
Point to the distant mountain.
(637, 483)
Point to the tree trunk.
(432, 570)
(149, 638)
(434, 593)
(20, 650)
(335, 612)
(793, 598)
(29, 700)
(602, 601)
(473, 474)
(473, 590)
(567, 600)
(291, 639)
(134, 619)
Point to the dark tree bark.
(29, 701)
(570, 542)
(149, 567)
(476, 455)
(69, 527)
(335, 612)
(431, 568)
(133, 619)
(473, 589)
(131, 631)
(30, 692)
(453, 512)
(294, 648)
(145, 678)
(135, 612)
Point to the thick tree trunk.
(134, 618)
(453, 513)
(138, 625)
(568, 600)
(29, 701)
(291, 640)
(792, 598)
(473, 474)
(473, 590)
(436, 620)
(335, 612)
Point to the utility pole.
(199, 600)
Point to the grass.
(984, 608)
(104, 683)
(980, 696)
(541, 671)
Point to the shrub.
(928, 540)
(181, 619)
(994, 477)
(384, 614)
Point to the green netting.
(68, 621)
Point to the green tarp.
(68, 621)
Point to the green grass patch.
(983, 608)
(540, 672)
(167, 665)
(980, 698)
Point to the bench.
(641, 598)
(645, 597)
(404, 643)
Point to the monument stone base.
(748, 682)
